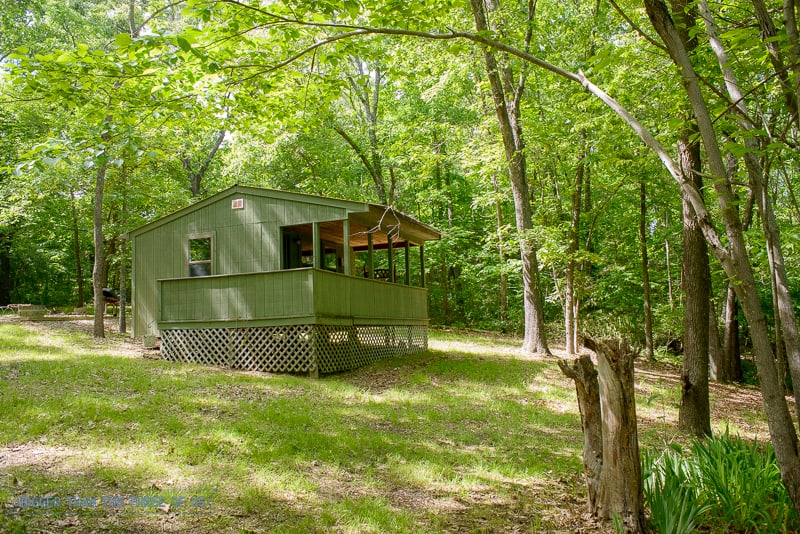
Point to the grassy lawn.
(467, 437)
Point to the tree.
(507, 96)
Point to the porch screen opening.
(200, 256)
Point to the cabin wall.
(243, 241)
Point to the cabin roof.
(365, 217)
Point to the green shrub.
(742, 484)
(722, 484)
(669, 491)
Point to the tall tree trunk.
(715, 351)
(695, 413)
(123, 263)
(123, 289)
(76, 247)
(648, 314)
(509, 120)
(793, 43)
(731, 370)
(668, 260)
(6, 276)
(98, 268)
(759, 186)
(570, 297)
(501, 253)
(734, 259)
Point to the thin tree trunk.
(501, 253)
(769, 36)
(570, 297)
(123, 265)
(668, 259)
(196, 176)
(99, 247)
(509, 120)
(648, 314)
(6, 276)
(780, 353)
(76, 248)
(715, 352)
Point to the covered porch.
(378, 244)
(303, 320)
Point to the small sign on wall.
(237, 204)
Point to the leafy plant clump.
(722, 483)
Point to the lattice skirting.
(292, 349)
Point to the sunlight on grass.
(469, 437)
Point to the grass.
(467, 437)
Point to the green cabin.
(267, 280)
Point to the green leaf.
(185, 45)
(122, 40)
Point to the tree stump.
(611, 442)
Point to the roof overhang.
(365, 218)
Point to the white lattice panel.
(339, 348)
(293, 349)
(278, 349)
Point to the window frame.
(188, 254)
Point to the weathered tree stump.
(611, 442)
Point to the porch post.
(370, 257)
(421, 265)
(407, 278)
(390, 253)
(348, 268)
(317, 245)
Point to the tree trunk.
(731, 369)
(793, 43)
(769, 36)
(123, 290)
(99, 247)
(648, 314)
(570, 297)
(759, 186)
(611, 444)
(715, 351)
(509, 121)
(668, 259)
(196, 176)
(695, 414)
(5, 268)
(501, 253)
(76, 237)
(735, 260)
(584, 374)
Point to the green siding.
(304, 295)
(245, 241)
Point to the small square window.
(200, 262)
(237, 204)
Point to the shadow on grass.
(432, 442)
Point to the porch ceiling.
(380, 222)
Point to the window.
(200, 262)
